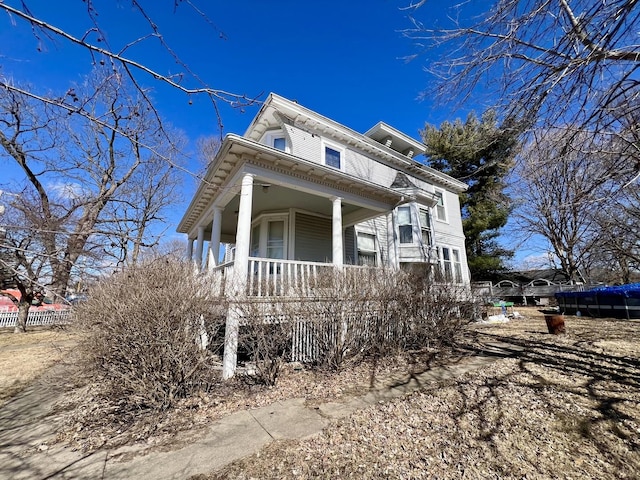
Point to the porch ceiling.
(280, 199)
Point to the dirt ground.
(565, 406)
(25, 356)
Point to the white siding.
(305, 144)
(312, 238)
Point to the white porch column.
(392, 244)
(240, 269)
(189, 249)
(214, 243)
(199, 246)
(243, 234)
(336, 232)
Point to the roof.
(277, 109)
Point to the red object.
(7, 305)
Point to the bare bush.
(142, 333)
(358, 313)
(266, 333)
(435, 310)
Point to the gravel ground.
(566, 406)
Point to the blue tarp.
(631, 290)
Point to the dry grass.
(25, 356)
(563, 407)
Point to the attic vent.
(388, 141)
(409, 152)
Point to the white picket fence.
(36, 318)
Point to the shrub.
(142, 332)
(266, 333)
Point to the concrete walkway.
(25, 424)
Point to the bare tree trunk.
(23, 314)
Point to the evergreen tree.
(479, 153)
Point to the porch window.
(255, 241)
(269, 236)
(405, 227)
(425, 226)
(367, 252)
(441, 212)
(275, 240)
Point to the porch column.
(336, 232)
(214, 243)
(200, 246)
(240, 269)
(392, 243)
(189, 249)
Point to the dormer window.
(276, 139)
(332, 156)
(280, 143)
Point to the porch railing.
(273, 277)
(268, 277)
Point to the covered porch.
(282, 219)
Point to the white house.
(299, 192)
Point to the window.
(457, 266)
(405, 227)
(441, 212)
(280, 143)
(425, 226)
(255, 241)
(276, 139)
(269, 236)
(275, 239)
(332, 157)
(367, 253)
(451, 265)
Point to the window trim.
(441, 194)
(270, 137)
(335, 147)
(426, 228)
(410, 224)
(455, 274)
(262, 221)
(366, 252)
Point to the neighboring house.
(299, 191)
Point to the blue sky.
(343, 59)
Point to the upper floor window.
(367, 252)
(276, 139)
(425, 225)
(405, 225)
(441, 212)
(280, 143)
(332, 156)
